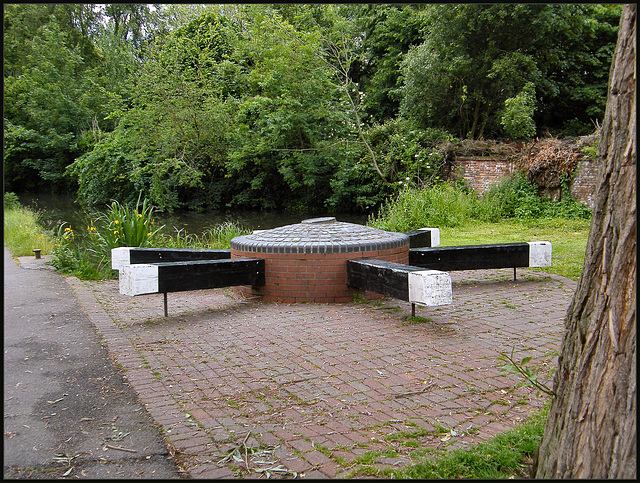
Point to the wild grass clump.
(217, 237)
(220, 236)
(452, 205)
(22, 230)
(443, 204)
(516, 197)
(507, 455)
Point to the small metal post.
(37, 252)
(413, 310)
(514, 274)
(165, 304)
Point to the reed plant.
(87, 254)
(125, 226)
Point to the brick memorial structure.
(307, 262)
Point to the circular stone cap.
(320, 235)
(326, 219)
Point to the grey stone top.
(319, 235)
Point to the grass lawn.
(23, 233)
(568, 239)
(506, 456)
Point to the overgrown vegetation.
(452, 204)
(87, 253)
(22, 230)
(290, 107)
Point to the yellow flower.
(115, 232)
(116, 222)
(139, 215)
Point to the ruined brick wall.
(482, 172)
(585, 181)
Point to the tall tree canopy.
(62, 74)
(475, 57)
(285, 106)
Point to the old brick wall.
(585, 181)
(482, 172)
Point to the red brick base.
(317, 277)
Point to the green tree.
(383, 35)
(289, 122)
(517, 117)
(574, 55)
(172, 137)
(64, 73)
(47, 110)
(475, 57)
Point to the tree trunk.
(591, 427)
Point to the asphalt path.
(67, 409)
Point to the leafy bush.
(517, 117)
(512, 197)
(11, 201)
(409, 153)
(444, 204)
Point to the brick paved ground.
(326, 390)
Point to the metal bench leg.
(165, 304)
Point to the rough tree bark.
(591, 427)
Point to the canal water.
(57, 209)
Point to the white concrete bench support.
(178, 270)
(412, 284)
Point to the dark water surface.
(57, 209)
